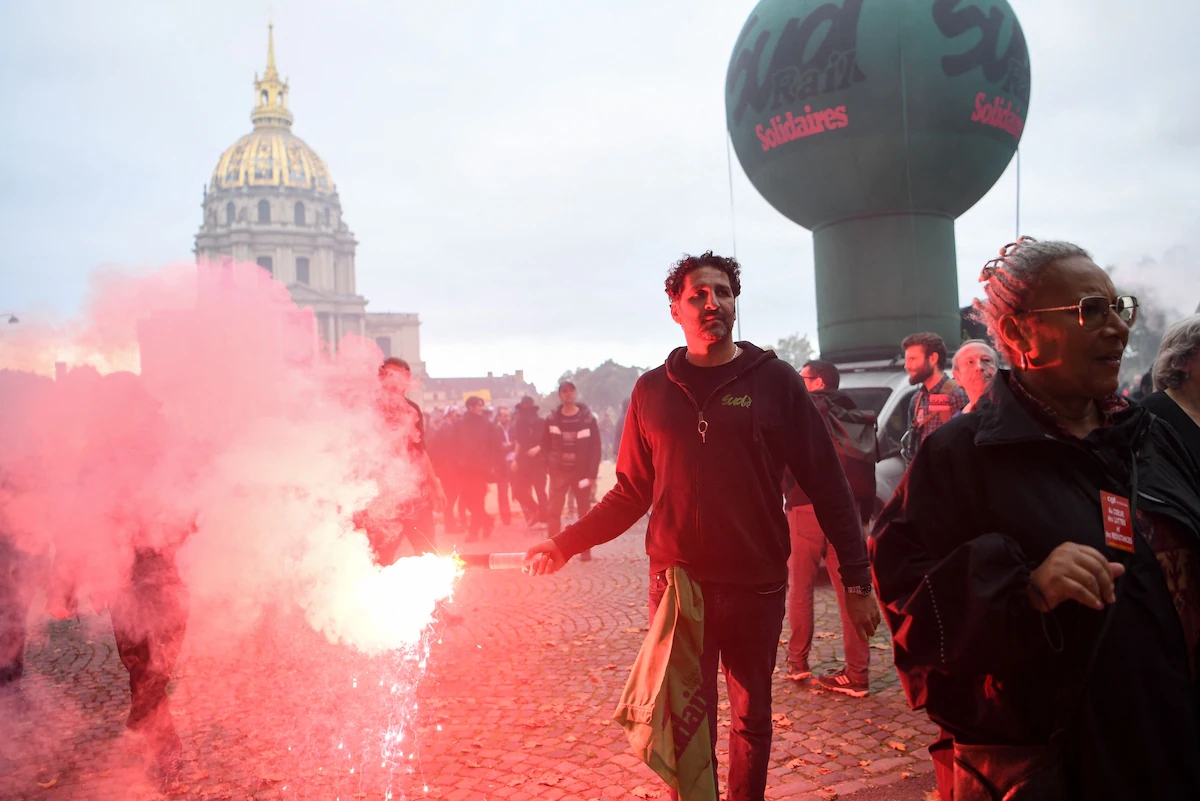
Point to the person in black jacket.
(571, 442)
(706, 441)
(481, 454)
(1040, 561)
(529, 464)
(1177, 376)
(444, 454)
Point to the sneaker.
(839, 682)
(798, 672)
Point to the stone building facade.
(272, 201)
(507, 390)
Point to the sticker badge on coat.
(1118, 528)
(939, 404)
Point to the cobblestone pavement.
(513, 703)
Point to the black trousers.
(560, 485)
(502, 496)
(529, 481)
(741, 635)
(149, 620)
(452, 487)
(473, 489)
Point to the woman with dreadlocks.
(1040, 564)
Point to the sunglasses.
(1093, 310)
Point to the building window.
(326, 217)
(385, 345)
(267, 263)
(299, 214)
(264, 211)
(302, 270)
(230, 213)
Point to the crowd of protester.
(542, 465)
(1038, 566)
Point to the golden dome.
(271, 155)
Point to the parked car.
(882, 387)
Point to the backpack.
(855, 434)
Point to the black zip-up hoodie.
(717, 506)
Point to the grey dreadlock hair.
(1010, 279)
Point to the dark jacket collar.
(583, 414)
(752, 356)
(1002, 418)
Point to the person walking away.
(974, 366)
(504, 476)
(444, 453)
(1039, 564)
(529, 464)
(1177, 377)
(938, 398)
(809, 545)
(482, 456)
(571, 442)
(706, 441)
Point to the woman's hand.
(1074, 572)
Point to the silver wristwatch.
(862, 589)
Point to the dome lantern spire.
(270, 106)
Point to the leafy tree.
(795, 350)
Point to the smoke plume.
(196, 412)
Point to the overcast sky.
(521, 174)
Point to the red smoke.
(242, 441)
(195, 413)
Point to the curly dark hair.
(931, 343)
(679, 271)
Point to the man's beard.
(921, 376)
(714, 329)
